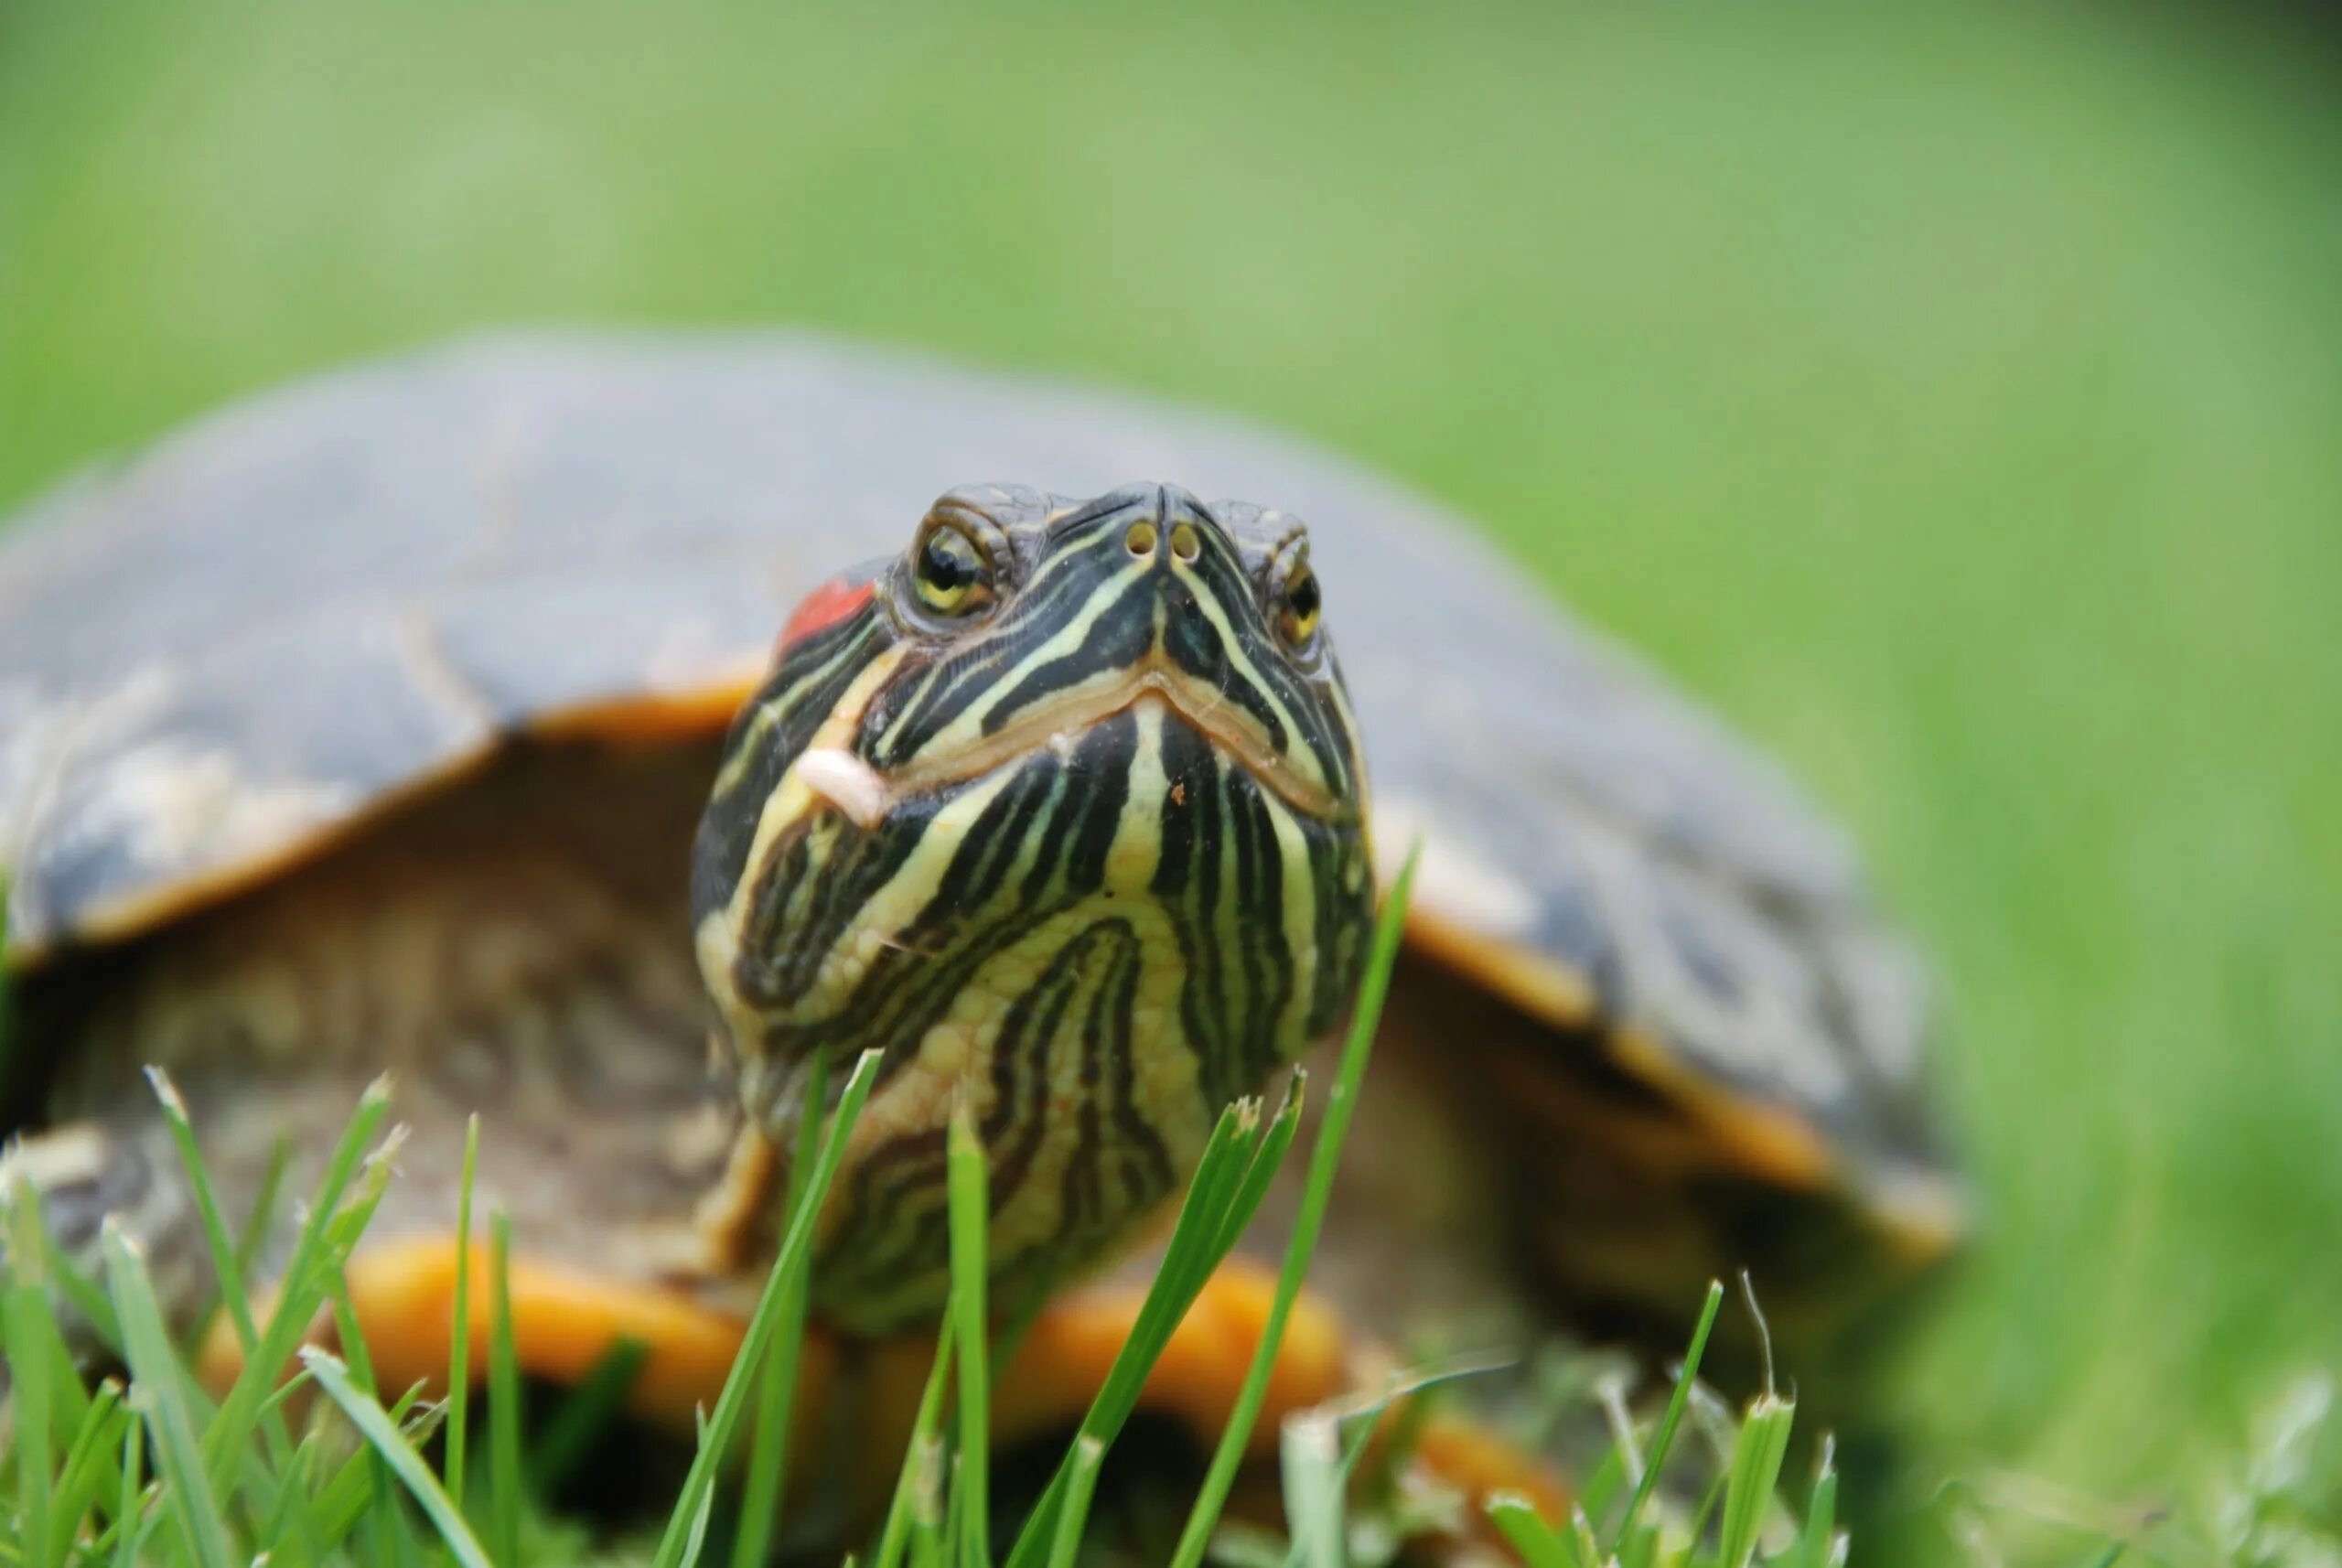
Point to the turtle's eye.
(1300, 603)
(952, 577)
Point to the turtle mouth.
(867, 796)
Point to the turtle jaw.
(844, 780)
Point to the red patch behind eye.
(824, 608)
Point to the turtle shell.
(216, 658)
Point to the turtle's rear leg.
(83, 1173)
(118, 1164)
(121, 1168)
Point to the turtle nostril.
(1187, 543)
(1142, 539)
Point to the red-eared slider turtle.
(382, 723)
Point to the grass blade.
(81, 1292)
(1821, 1512)
(126, 1513)
(1321, 1449)
(695, 1538)
(345, 1501)
(1674, 1416)
(1540, 1545)
(895, 1539)
(1200, 1237)
(87, 1457)
(767, 1478)
(927, 1511)
(1081, 1484)
(301, 1290)
(504, 1410)
(969, 1214)
(1267, 1158)
(587, 1413)
(1313, 1493)
(793, 1261)
(1756, 1470)
(226, 1268)
(383, 1519)
(955, 1505)
(294, 1494)
(397, 1454)
(159, 1394)
(459, 1343)
(1324, 1158)
(253, 1238)
(29, 1325)
(31, 1260)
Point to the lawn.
(1952, 400)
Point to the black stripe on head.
(808, 682)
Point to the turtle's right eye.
(952, 576)
(1299, 605)
(1296, 605)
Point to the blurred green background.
(1953, 398)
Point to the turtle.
(512, 716)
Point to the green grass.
(229, 1482)
(1947, 396)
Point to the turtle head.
(1062, 810)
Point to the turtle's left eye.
(1300, 603)
(952, 576)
